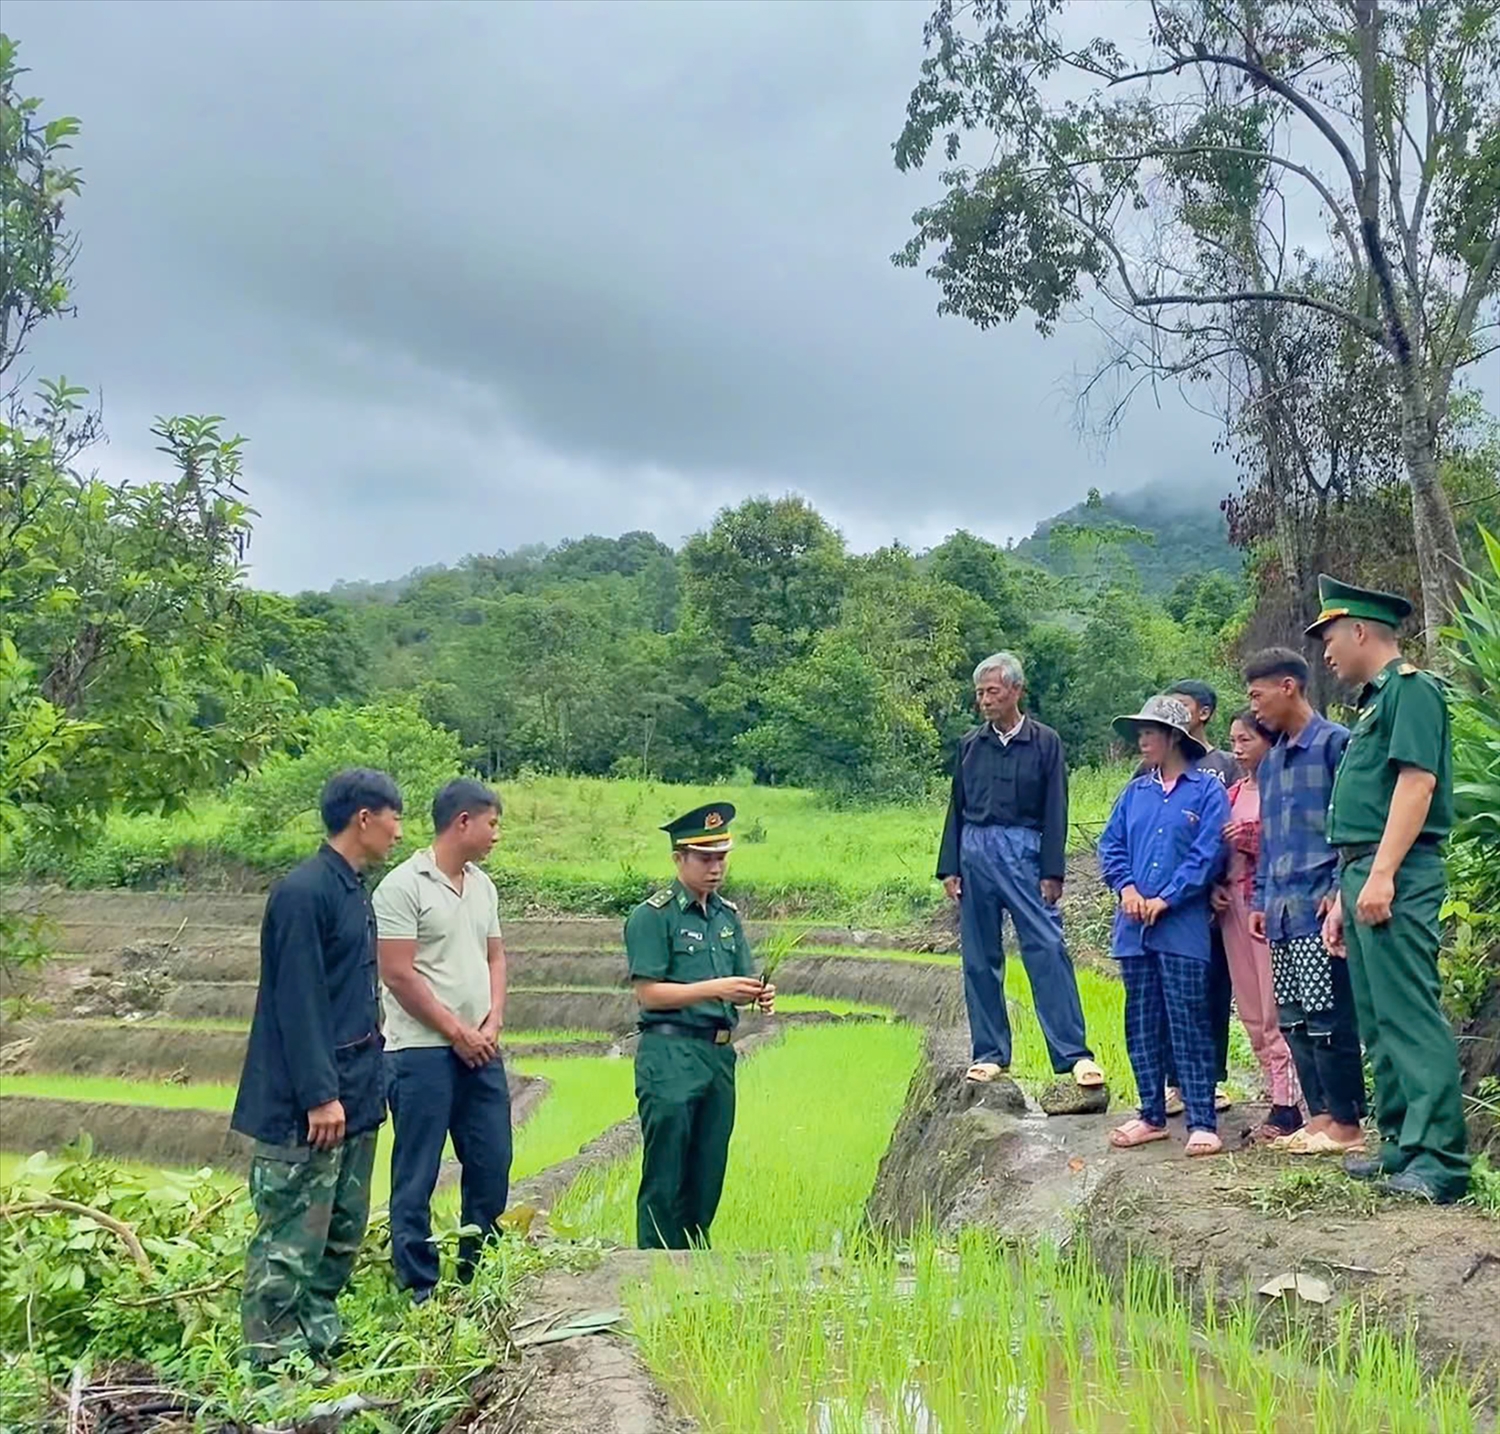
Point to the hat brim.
(709, 846)
(1323, 622)
(1131, 726)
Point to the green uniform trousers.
(684, 1089)
(1394, 971)
(313, 1206)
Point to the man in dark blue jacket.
(312, 1095)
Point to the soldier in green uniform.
(1389, 813)
(690, 967)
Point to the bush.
(281, 795)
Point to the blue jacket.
(315, 1036)
(1171, 845)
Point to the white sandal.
(983, 1072)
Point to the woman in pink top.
(1250, 959)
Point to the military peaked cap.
(703, 829)
(1336, 600)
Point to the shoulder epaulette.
(1407, 668)
(660, 898)
(727, 902)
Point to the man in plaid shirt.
(1295, 881)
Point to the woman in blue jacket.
(1161, 854)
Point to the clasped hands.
(1145, 909)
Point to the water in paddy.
(978, 1339)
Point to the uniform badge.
(658, 899)
(712, 821)
(727, 934)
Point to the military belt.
(1348, 855)
(719, 1035)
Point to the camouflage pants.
(313, 1206)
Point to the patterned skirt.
(1302, 971)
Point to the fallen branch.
(75, 1401)
(126, 1235)
(211, 1288)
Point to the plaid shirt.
(1297, 867)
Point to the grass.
(790, 1004)
(582, 844)
(118, 1091)
(799, 1168)
(979, 1336)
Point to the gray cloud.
(472, 276)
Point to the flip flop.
(1203, 1142)
(1318, 1142)
(1088, 1074)
(1136, 1132)
(1221, 1099)
(1174, 1101)
(983, 1072)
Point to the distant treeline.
(762, 646)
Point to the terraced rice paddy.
(799, 1167)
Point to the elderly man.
(1002, 852)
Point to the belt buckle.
(721, 1037)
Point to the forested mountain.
(1187, 535)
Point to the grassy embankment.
(590, 845)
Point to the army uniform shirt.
(670, 937)
(1402, 722)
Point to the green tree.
(1137, 170)
(116, 601)
(283, 791)
(979, 567)
(767, 577)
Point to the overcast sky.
(476, 275)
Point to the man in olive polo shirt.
(690, 966)
(443, 966)
(1389, 812)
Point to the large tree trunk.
(1438, 556)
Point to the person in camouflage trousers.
(313, 1207)
(312, 1091)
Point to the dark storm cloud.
(474, 275)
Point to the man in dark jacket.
(1003, 852)
(312, 1094)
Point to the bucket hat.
(1163, 712)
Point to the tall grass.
(980, 1337)
(814, 1117)
(591, 844)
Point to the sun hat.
(1163, 711)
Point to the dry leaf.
(1305, 1287)
(1075, 1165)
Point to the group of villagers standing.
(1299, 880)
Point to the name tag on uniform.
(692, 936)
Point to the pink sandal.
(1203, 1142)
(1136, 1132)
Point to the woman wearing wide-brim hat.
(1160, 854)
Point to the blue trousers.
(1165, 992)
(433, 1094)
(1000, 868)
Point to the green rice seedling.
(977, 1336)
(793, 1004)
(813, 1161)
(118, 1091)
(588, 1095)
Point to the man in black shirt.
(1003, 851)
(312, 1093)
